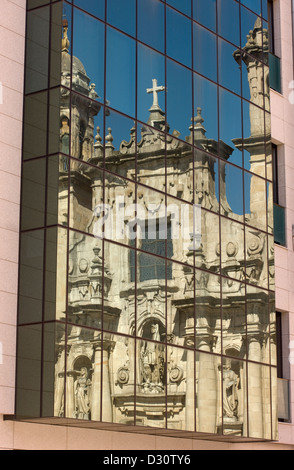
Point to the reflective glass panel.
(233, 319)
(234, 399)
(178, 46)
(120, 145)
(88, 55)
(205, 114)
(205, 13)
(122, 15)
(181, 306)
(83, 373)
(259, 393)
(208, 311)
(254, 5)
(57, 190)
(180, 182)
(182, 5)
(230, 123)
(118, 288)
(228, 67)
(255, 201)
(232, 244)
(151, 21)
(121, 72)
(118, 393)
(248, 22)
(53, 391)
(206, 185)
(55, 276)
(33, 194)
(179, 99)
(85, 280)
(231, 189)
(95, 7)
(151, 379)
(151, 84)
(208, 379)
(35, 132)
(37, 47)
(83, 210)
(29, 351)
(31, 277)
(203, 62)
(230, 30)
(257, 267)
(258, 324)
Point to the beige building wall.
(16, 435)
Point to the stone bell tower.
(252, 55)
(78, 109)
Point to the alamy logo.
(139, 221)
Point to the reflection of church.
(152, 379)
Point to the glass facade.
(147, 271)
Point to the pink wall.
(283, 135)
(12, 32)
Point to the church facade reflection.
(169, 317)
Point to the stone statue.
(152, 363)
(230, 393)
(82, 395)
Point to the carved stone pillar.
(96, 383)
(107, 414)
(190, 385)
(70, 394)
(59, 395)
(101, 383)
(207, 398)
(255, 405)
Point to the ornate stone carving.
(123, 375)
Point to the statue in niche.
(152, 363)
(230, 393)
(64, 136)
(82, 395)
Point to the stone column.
(190, 385)
(207, 386)
(96, 384)
(59, 395)
(106, 389)
(70, 395)
(255, 406)
(101, 374)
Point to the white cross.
(155, 90)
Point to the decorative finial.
(98, 137)
(109, 138)
(198, 129)
(65, 41)
(109, 148)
